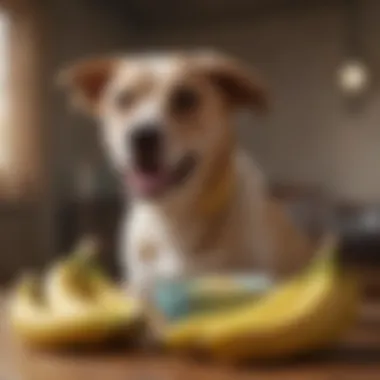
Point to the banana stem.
(327, 254)
(330, 254)
(84, 254)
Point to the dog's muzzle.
(152, 184)
(150, 176)
(147, 150)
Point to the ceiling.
(144, 15)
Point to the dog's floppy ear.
(239, 85)
(86, 81)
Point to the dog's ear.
(86, 80)
(239, 85)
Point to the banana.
(38, 325)
(78, 305)
(306, 313)
(66, 284)
(187, 334)
(299, 317)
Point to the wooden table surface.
(358, 358)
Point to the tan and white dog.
(198, 203)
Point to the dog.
(198, 203)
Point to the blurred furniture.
(307, 206)
(359, 225)
(23, 238)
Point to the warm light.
(353, 77)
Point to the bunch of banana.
(306, 313)
(76, 304)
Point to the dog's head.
(163, 116)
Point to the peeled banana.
(308, 312)
(75, 304)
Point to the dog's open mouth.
(156, 183)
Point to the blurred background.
(319, 146)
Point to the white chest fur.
(150, 249)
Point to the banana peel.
(77, 304)
(306, 313)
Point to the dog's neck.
(217, 186)
(213, 192)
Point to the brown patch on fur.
(219, 185)
(239, 85)
(86, 81)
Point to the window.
(5, 145)
(20, 100)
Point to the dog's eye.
(124, 100)
(184, 99)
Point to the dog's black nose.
(146, 138)
(146, 146)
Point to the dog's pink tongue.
(148, 184)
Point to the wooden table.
(358, 358)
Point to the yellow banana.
(66, 285)
(187, 333)
(305, 313)
(314, 312)
(79, 306)
(38, 325)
